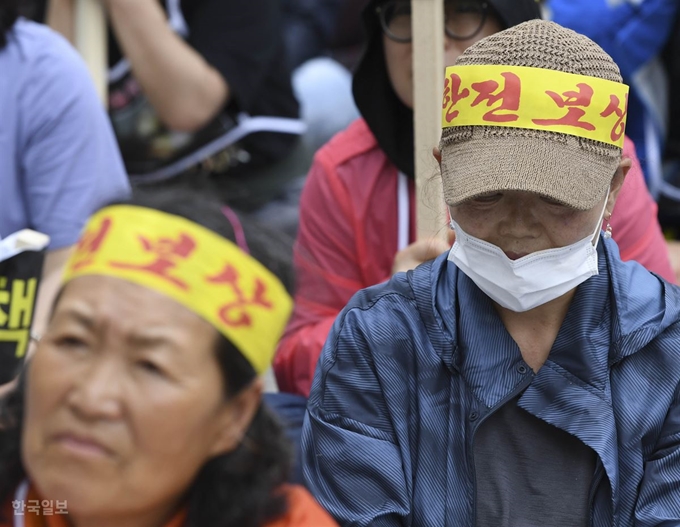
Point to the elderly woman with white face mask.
(528, 376)
(142, 406)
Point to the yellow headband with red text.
(537, 99)
(201, 270)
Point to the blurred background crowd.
(293, 59)
(234, 99)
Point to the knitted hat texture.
(483, 159)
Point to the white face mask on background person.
(531, 281)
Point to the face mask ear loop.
(598, 227)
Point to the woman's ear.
(437, 155)
(236, 416)
(617, 183)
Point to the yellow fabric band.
(199, 269)
(537, 99)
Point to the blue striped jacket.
(412, 367)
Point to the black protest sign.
(19, 279)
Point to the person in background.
(321, 83)
(142, 404)
(58, 156)
(357, 214)
(200, 95)
(309, 27)
(528, 376)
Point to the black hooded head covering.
(388, 118)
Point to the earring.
(608, 230)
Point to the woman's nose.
(519, 221)
(97, 394)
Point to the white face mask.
(531, 281)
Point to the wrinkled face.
(521, 223)
(125, 401)
(399, 56)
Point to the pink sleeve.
(327, 275)
(635, 226)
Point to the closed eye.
(151, 367)
(70, 342)
(551, 201)
(488, 198)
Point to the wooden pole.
(428, 80)
(91, 41)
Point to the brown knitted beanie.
(482, 159)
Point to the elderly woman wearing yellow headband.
(527, 376)
(142, 405)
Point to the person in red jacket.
(357, 210)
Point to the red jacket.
(350, 227)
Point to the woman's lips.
(82, 446)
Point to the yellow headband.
(194, 266)
(535, 98)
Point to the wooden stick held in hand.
(91, 42)
(428, 79)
